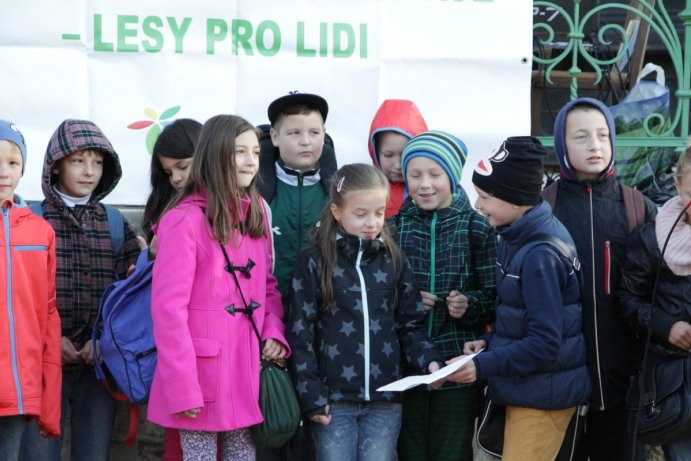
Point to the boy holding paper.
(536, 360)
(452, 251)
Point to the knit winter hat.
(514, 171)
(10, 132)
(442, 147)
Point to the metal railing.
(575, 51)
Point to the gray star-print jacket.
(356, 346)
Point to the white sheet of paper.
(412, 381)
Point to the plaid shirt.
(451, 249)
(85, 261)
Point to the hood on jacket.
(399, 115)
(270, 155)
(567, 171)
(73, 136)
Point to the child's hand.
(431, 368)
(153, 247)
(87, 352)
(141, 242)
(322, 418)
(190, 413)
(428, 300)
(273, 349)
(457, 303)
(69, 352)
(466, 374)
(680, 335)
(471, 347)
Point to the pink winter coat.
(208, 358)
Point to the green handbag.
(279, 406)
(277, 399)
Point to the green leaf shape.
(151, 137)
(170, 112)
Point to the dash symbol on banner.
(71, 36)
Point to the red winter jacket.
(30, 363)
(401, 116)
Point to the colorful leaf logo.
(155, 123)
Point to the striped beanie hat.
(442, 147)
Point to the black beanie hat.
(513, 172)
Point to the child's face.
(246, 158)
(588, 143)
(10, 169)
(428, 184)
(683, 184)
(362, 212)
(177, 169)
(79, 173)
(497, 211)
(300, 139)
(390, 149)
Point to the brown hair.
(353, 177)
(213, 171)
(297, 109)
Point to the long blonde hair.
(353, 177)
(213, 171)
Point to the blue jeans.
(11, 430)
(92, 415)
(358, 432)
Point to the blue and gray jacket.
(536, 355)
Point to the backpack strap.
(566, 250)
(37, 209)
(116, 227)
(549, 193)
(116, 224)
(635, 206)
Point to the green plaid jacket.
(451, 249)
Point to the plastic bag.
(648, 169)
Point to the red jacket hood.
(401, 116)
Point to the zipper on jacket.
(607, 268)
(595, 329)
(299, 221)
(10, 313)
(433, 271)
(365, 317)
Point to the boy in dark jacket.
(590, 204)
(535, 362)
(295, 174)
(452, 250)
(80, 169)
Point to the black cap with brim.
(297, 99)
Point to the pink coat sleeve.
(173, 277)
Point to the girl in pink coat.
(207, 376)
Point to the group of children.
(355, 276)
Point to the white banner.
(130, 66)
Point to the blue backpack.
(125, 331)
(116, 224)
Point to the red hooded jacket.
(401, 116)
(30, 359)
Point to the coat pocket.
(207, 351)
